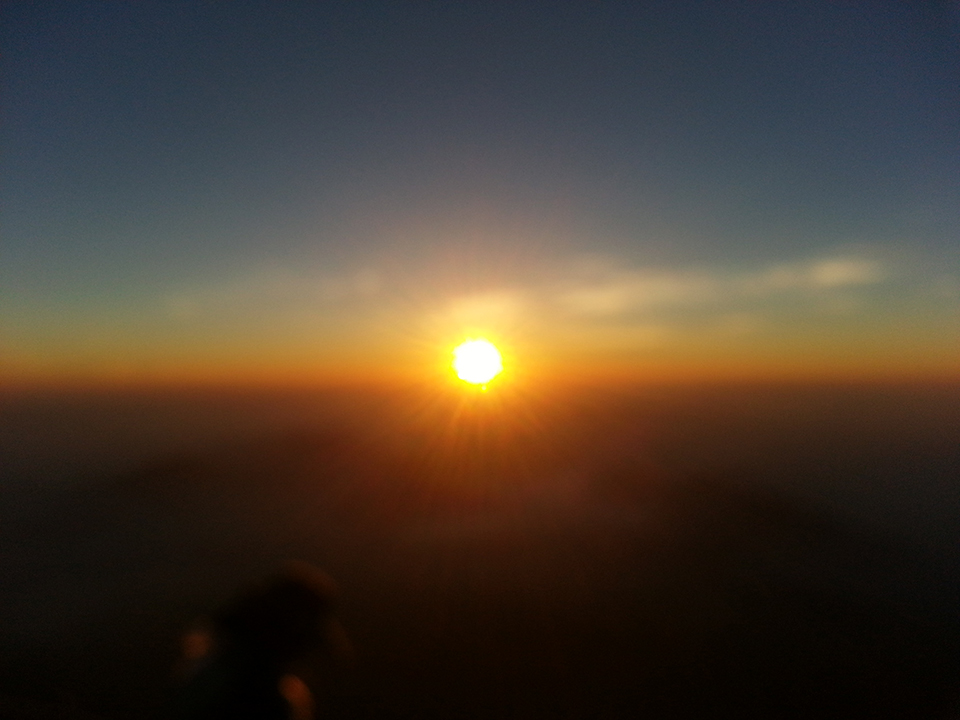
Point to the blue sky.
(306, 187)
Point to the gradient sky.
(319, 189)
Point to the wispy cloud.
(482, 308)
(846, 271)
(633, 291)
(602, 303)
(491, 311)
(817, 274)
(621, 293)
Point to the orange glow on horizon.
(542, 367)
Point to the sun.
(477, 361)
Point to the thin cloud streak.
(636, 291)
(639, 291)
(277, 289)
(815, 275)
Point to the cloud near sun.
(625, 293)
(612, 307)
(613, 293)
(838, 308)
(590, 307)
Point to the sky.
(323, 191)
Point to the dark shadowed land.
(761, 552)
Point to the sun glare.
(477, 361)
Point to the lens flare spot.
(477, 361)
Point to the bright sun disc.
(477, 361)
